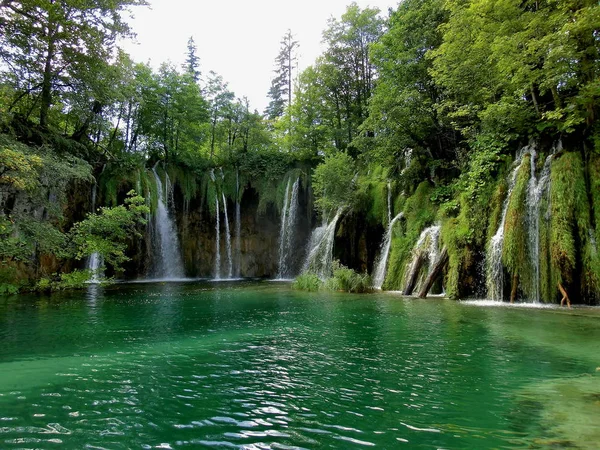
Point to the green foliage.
(9, 282)
(108, 231)
(573, 254)
(343, 279)
(334, 184)
(307, 282)
(373, 188)
(347, 280)
(515, 256)
(419, 213)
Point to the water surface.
(257, 365)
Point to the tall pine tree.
(280, 92)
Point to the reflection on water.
(256, 365)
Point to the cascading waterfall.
(286, 234)
(536, 189)
(282, 230)
(381, 264)
(427, 245)
(168, 262)
(238, 227)
(217, 242)
(494, 268)
(389, 202)
(320, 258)
(95, 261)
(227, 239)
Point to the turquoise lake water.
(256, 365)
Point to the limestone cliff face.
(258, 254)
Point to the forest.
(449, 146)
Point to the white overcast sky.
(238, 39)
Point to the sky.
(238, 39)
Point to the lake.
(256, 365)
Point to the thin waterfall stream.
(494, 268)
(287, 230)
(168, 261)
(238, 227)
(536, 189)
(381, 263)
(95, 261)
(227, 239)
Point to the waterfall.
(95, 261)
(227, 240)
(536, 189)
(286, 235)
(381, 264)
(238, 227)
(168, 262)
(427, 245)
(494, 268)
(217, 242)
(282, 229)
(389, 202)
(320, 257)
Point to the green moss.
(419, 213)
(457, 236)
(563, 251)
(515, 251)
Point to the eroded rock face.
(259, 240)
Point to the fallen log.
(414, 275)
(434, 273)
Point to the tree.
(219, 98)
(403, 110)
(49, 45)
(192, 61)
(281, 85)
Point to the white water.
(227, 240)
(95, 261)
(238, 227)
(287, 230)
(536, 189)
(381, 264)
(168, 262)
(217, 242)
(282, 228)
(428, 243)
(389, 202)
(494, 268)
(320, 257)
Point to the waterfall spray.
(320, 257)
(168, 263)
(381, 263)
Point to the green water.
(257, 365)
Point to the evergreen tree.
(281, 85)
(192, 61)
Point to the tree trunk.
(412, 281)
(47, 79)
(435, 272)
(565, 296)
